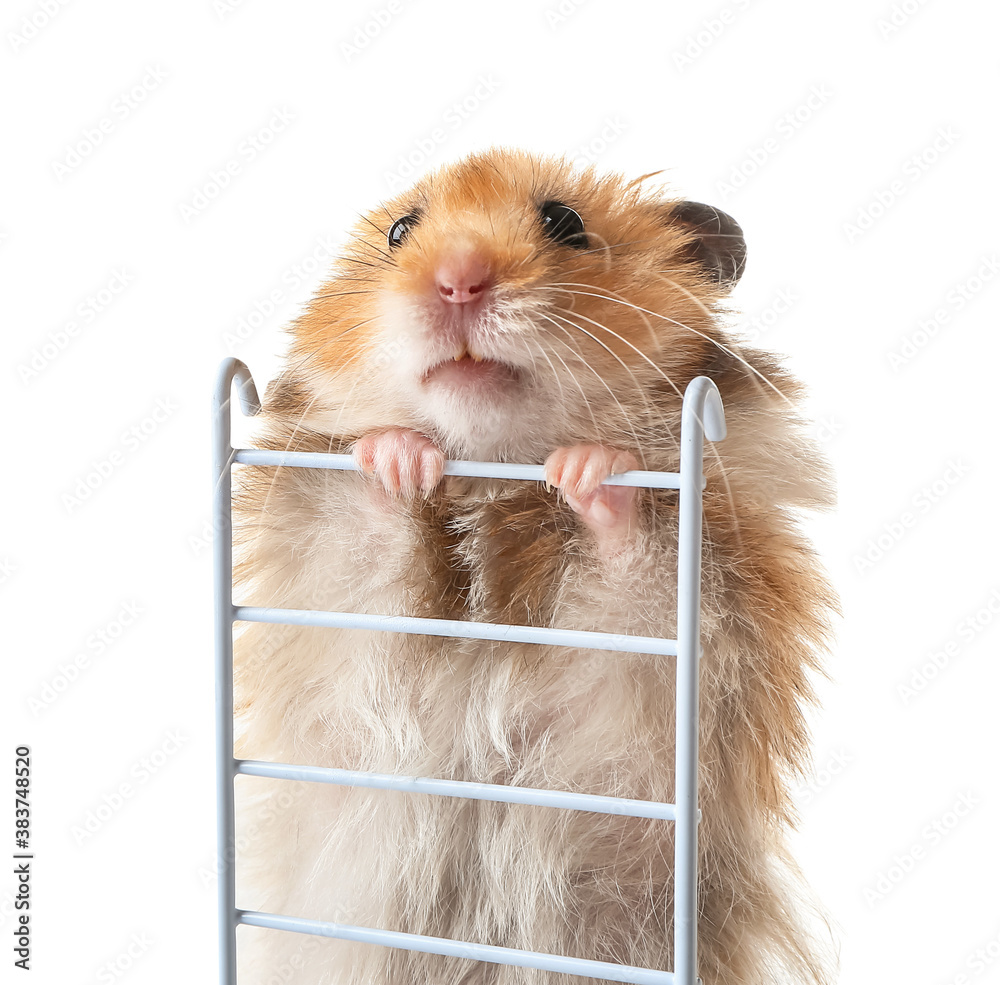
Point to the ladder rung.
(461, 788)
(466, 629)
(484, 470)
(459, 949)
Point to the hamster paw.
(577, 472)
(405, 461)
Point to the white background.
(802, 120)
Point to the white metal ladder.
(702, 416)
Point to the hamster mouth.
(469, 369)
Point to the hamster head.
(509, 303)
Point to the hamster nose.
(462, 277)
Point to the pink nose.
(462, 277)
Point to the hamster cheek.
(609, 512)
(404, 461)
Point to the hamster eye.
(400, 229)
(561, 224)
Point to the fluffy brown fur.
(600, 343)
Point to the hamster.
(512, 307)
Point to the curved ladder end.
(702, 398)
(233, 369)
(715, 415)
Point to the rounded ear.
(718, 245)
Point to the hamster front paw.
(577, 472)
(405, 461)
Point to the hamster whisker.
(626, 417)
(330, 341)
(562, 392)
(653, 419)
(694, 331)
(295, 431)
(726, 349)
(613, 246)
(350, 259)
(608, 296)
(335, 430)
(377, 249)
(516, 234)
(374, 225)
(628, 369)
(341, 294)
(576, 380)
(604, 248)
(712, 449)
(298, 428)
(531, 256)
(622, 338)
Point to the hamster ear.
(718, 246)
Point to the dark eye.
(400, 229)
(561, 224)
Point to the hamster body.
(510, 307)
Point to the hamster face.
(512, 302)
